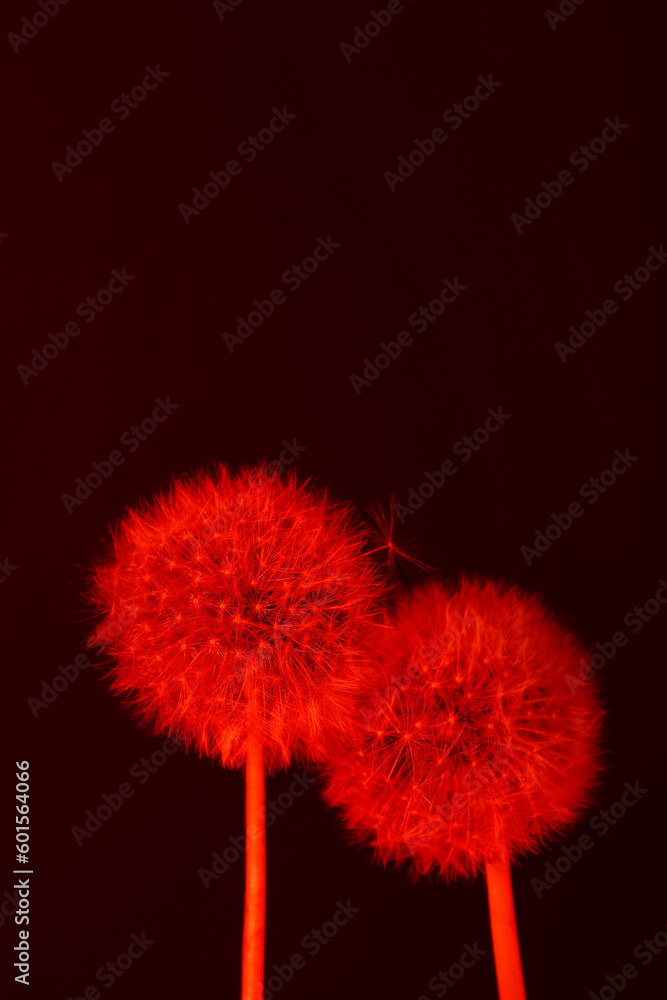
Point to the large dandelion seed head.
(233, 607)
(471, 742)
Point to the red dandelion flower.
(232, 605)
(471, 744)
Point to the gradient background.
(291, 380)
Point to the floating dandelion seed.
(233, 606)
(386, 536)
(470, 745)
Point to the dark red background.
(495, 347)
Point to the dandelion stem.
(254, 918)
(506, 952)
